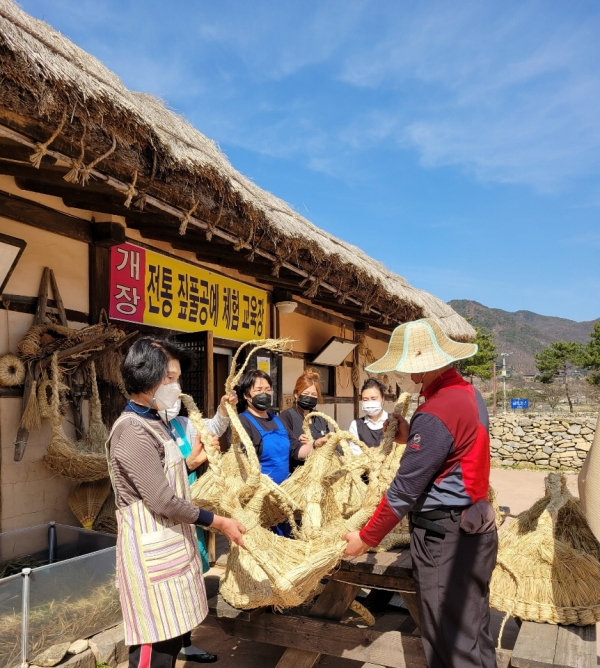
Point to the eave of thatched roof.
(46, 78)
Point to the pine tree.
(482, 363)
(557, 361)
(591, 356)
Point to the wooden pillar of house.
(104, 236)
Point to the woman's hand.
(355, 547)
(231, 529)
(320, 442)
(231, 399)
(303, 438)
(198, 454)
(402, 429)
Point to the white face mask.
(406, 383)
(166, 396)
(171, 413)
(371, 407)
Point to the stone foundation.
(552, 441)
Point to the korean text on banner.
(154, 289)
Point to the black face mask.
(262, 401)
(306, 403)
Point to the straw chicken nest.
(549, 562)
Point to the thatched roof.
(45, 77)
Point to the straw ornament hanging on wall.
(63, 455)
(12, 370)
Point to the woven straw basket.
(548, 562)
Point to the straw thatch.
(549, 562)
(82, 111)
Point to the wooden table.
(307, 635)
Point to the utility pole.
(495, 391)
(503, 374)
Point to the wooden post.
(99, 269)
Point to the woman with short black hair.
(159, 572)
(275, 445)
(369, 428)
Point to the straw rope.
(131, 191)
(187, 217)
(72, 176)
(41, 149)
(86, 170)
(211, 226)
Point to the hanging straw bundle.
(12, 370)
(549, 562)
(86, 500)
(63, 456)
(97, 433)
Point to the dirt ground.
(516, 489)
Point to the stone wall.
(542, 440)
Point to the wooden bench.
(308, 635)
(545, 645)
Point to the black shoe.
(201, 657)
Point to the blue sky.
(457, 142)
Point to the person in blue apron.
(275, 445)
(185, 434)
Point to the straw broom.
(86, 500)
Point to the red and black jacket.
(447, 458)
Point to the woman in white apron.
(159, 572)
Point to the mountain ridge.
(522, 333)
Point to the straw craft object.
(548, 562)
(155, 156)
(107, 518)
(86, 500)
(12, 370)
(271, 570)
(589, 485)
(241, 467)
(65, 457)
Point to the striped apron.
(159, 572)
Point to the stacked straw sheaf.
(549, 562)
(273, 570)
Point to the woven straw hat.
(420, 346)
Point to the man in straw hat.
(442, 483)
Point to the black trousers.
(452, 578)
(161, 654)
